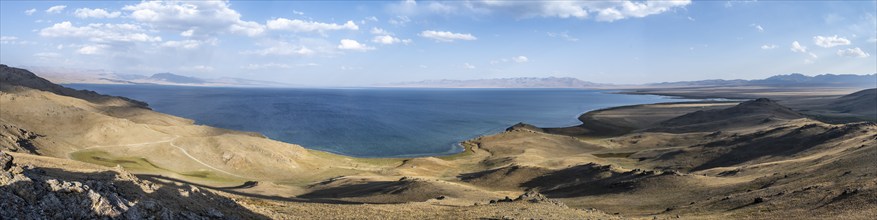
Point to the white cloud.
(372, 18)
(30, 11)
(47, 55)
(830, 41)
(95, 13)
(348, 44)
(690, 18)
(187, 44)
(389, 39)
(248, 28)
(56, 9)
(438, 7)
(468, 66)
(730, 4)
(601, 10)
(91, 49)
(14, 40)
(563, 35)
(757, 27)
(187, 33)
(8, 39)
(254, 66)
(400, 20)
(873, 40)
(516, 59)
(298, 12)
(446, 36)
(208, 17)
(100, 32)
(812, 55)
(345, 68)
(796, 47)
(404, 7)
(384, 37)
(378, 31)
(853, 52)
(308, 26)
(282, 48)
(769, 46)
(520, 59)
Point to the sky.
(350, 43)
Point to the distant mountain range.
(67, 76)
(521, 82)
(174, 79)
(796, 79)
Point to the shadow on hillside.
(361, 190)
(759, 145)
(585, 180)
(248, 184)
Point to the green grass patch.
(142, 165)
(106, 159)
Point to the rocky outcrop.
(44, 193)
(15, 139)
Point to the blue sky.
(353, 43)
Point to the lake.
(373, 122)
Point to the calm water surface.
(373, 122)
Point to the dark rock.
(849, 192)
(729, 172)
(758, 200)
(5, 161)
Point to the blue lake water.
(373, 122)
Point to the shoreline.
(684, 96)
